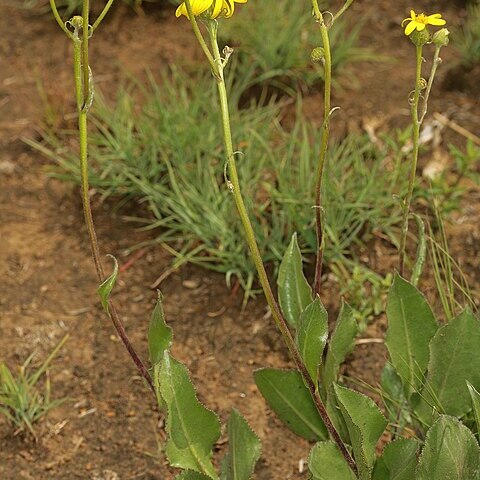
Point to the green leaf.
(453, 362)
(450, 452)
(244, 449)
(294, 292)
(398, 461)
(327, 463)
(393, 396)
(290, 399)
(192, 429)
(312, 335)
(107, 285)
(160, 335)
(475, 403)
(191, 475)
(411, 326)
(365, 424)
(340, 345)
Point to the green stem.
(105, 10)
(323, 146)
(345, 7)
(413, 169)
(80, 91)
(85, 33)
(59, 20)
(256, 256)
(435, 64)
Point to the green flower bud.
(76, 21)
(317, 55)
(420, 38)
(441, 37)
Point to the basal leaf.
(341, 344)
(107, 285)
(294, 292)
(475, 403)
(289, 398)
(160, 335)
(398, 461)
(327, 463)
(454, 360)
(312, 334)
(192, 429)
(191, 475)
(365, 424)
(244, 449)
(411, 326)
(450, 452)
(393, 395)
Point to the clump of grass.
(21, 401)
(152, 153)
(284, 60)
(467, 40)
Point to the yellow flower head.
(419, 22)
(213, 8)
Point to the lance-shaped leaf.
(454, 360)
(475, 403)
(312, 334)
(160, 335)
(365, 424)
(393, 396)
(290, 399)
(411, 326)
(450, 452)
(244, 449)
(341, 344)
(107, 285)
(192, 429)
(294, 292)
(398, 461)
(327, 463)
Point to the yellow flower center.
(422, 18)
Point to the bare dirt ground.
(109, 428)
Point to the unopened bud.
(317, 55)
(76, 21)
(441, 37)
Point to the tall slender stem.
(323, 146)
(256, 256)
(413, 169)
(81, 94)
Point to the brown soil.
(109, 427)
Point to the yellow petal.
(435, 15)
(217, 8)
(420, 27)
(181, 10)
(436, 21)
(412, 15)
(410, 27)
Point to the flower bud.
(441, 37)
(317, 55)
(76, 21)
(420, 38)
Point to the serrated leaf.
(450, 452)
(411, 326)
(290, 399)
(398, 461)
(453, 362)
(365, 424)
(312, 335)
(192, 429)
(294, 292)
(106, 287)
(341, 344)
(475, 396)
(191, 475)
(244, 449)
(160, 335)
(327, 463)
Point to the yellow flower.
(419, 22)
(215, 8)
